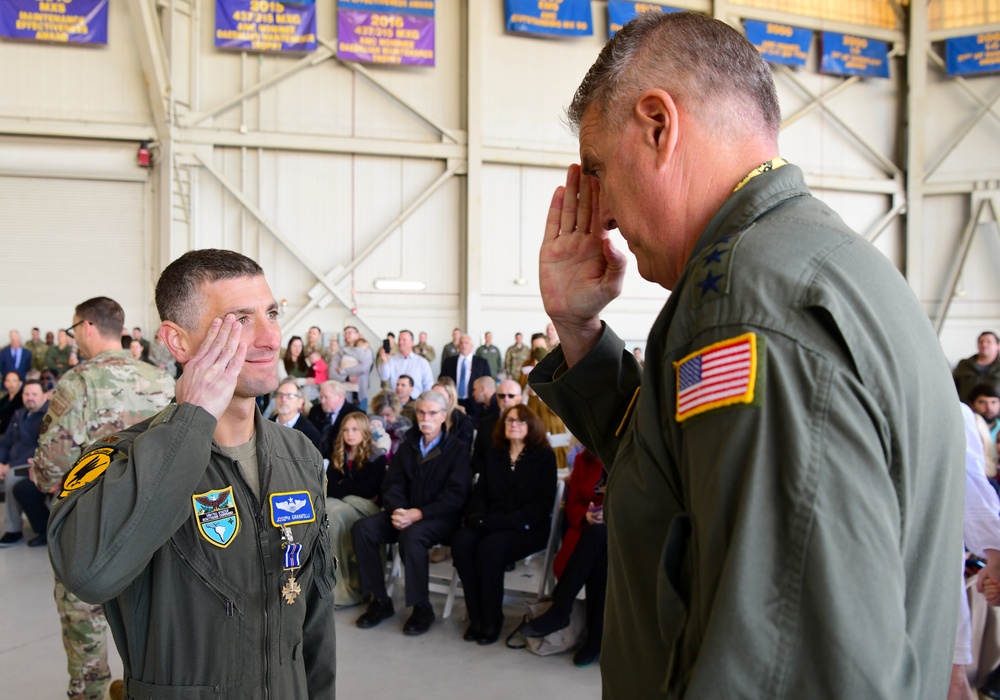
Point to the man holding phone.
(406, 362)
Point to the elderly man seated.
(423, 494)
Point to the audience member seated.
(137, 335)
(508, 517)
(985, 402)
(585, 564)
(380, 436)
(507, 394)
(457, 422)
(354, 480)
(17, 446)
(386, 404)
(981, 368)
(404, 390)
(289, 401)
(11, 400)
(464, 369)
(423, 494)
(352, 364)
(15, 357)
(405, 361)
(328, 414)
(294, 361)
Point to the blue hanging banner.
(80, 22)
(266, 25)
(549, 17)
(844, 54)
(971, 55)
(620, 12)
(780, 43)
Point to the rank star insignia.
(291, 590)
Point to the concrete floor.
(375, 663)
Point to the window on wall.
(948, 14)
(872, 13)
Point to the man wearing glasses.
(104, 395)
(423, 494)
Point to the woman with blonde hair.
(354, 481)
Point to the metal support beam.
(882, 224)
(916, 145)
(338, 274)
(965, 243)
(876, 155)
(153, 57)
(320, 143)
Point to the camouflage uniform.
(515, 359)
(159, 354)
(57, 359)
(38, 349)
(425, 351)
(102, 396)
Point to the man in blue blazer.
(465, 368)
(15, 357)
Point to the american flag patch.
(721, 374)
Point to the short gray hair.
(702, 62)
(435, 398)
(337, 387)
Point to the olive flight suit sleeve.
(593, 411)
(106, 525)
(793, 550)
(319, 640)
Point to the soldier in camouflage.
(104, 395)
(38, 349)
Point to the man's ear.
(656, 112)
(177, 340)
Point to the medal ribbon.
(292, 555)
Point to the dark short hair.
(983, 390)
(995, 337)
(29, 382)
(105, 314)
(536, 437)
(180, 283)
(136, 328)
(537, 336)
(407, 378)
(406, 331)
(705, 64)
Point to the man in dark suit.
(289, 399)
(465, 368)
(15, 357)
(328, 414)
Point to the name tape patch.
(291, 508)
(721, 374)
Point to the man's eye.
(273, 314)
(243, 320)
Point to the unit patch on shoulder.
(217, 516)
(88, 468)
(291, 508)
(721, 374)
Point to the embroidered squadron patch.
(217, 516)
(291, 508)
(721, 374)
(88, 468)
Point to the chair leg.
(452, 590)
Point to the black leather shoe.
(991, 686)
(377, 611)
(544, 624)
(473, 632)
(38, 541)
(490, 633)
(420, 621)
(586, 655)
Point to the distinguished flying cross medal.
(288, 509)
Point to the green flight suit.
(160, 526)
(796, 531)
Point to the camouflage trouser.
(84, 632)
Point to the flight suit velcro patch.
(88, 468)
(720, 374)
